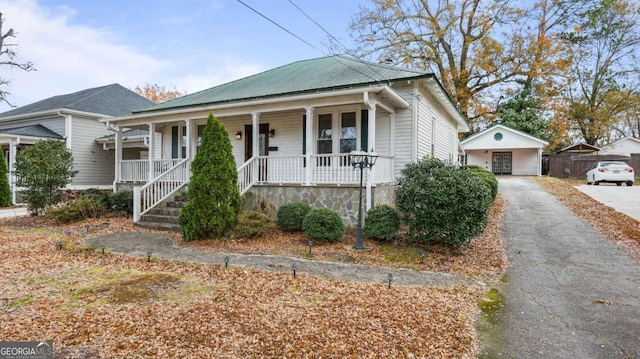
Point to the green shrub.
(487, 176)
(290, 215)
(5, 187)
(97, 195)
(44, 169)
(253, 224)
(382, 222)
(441, 203)
(214, 198)
(77, 210)
(122, 201)
(322, 223)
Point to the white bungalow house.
(625, 147)
(292, 129)
(72, 118)
(505, 151)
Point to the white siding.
(55, 124)
(524, 162)
(432, 118)
(95, 166)
(624, 147)
(383, 130)
(404, 129)
(479, 158)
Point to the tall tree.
(474, 46)
(9, 58)
(157, 93)
(604, 45)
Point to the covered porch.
(304, 140)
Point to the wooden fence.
(566, 165)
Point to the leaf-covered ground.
(607, 221)
(105, 305)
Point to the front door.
(501, 163)
(263, 146)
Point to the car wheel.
(596, 183)
(629, 183)
(618, 184)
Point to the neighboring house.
(505, 151)
(292, 129)
(624, 147)
(579, 149)
(72, 118)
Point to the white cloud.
(67, 57)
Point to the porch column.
(12, 167)
(255, 138)
(152, 146)
(372, 146)
(118, 155)
(392, 142)
(189, 135)
(309, 144)
(539, 160)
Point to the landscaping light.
(59, 244)
(226, 261)
(224, 240)
(390, 278)
(423, 255)
(102, 246)
(294, 268)
(68, 232)
(149, 256)
(87, 228)
(310, 244)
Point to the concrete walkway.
(13, 212)
(569, 292)
(138, 243)
(623, 199)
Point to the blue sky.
(191, 44)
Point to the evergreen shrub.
(290, 215)
(382, 222)
(441, 203)
(97, 195)
(5, 187)
(487, 176)
(253, 224)
(323, 223)
(122, 201)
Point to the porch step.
(165, 215)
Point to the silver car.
(616, 172)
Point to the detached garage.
(505, 151)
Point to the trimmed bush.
(5, 188)
(122, 201)
(214, 198)
(382, 222)
(441, 203)
(253, 224)
(97, 195)
(323, 223)
(487, 176)
(290, 215)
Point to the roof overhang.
(52, 113)
(287, 102)
(6, 139)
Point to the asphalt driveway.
(569, 292)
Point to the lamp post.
(361, 160)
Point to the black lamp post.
(361, 160)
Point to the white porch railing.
(160, 188)
(247, 175)
(138, 170)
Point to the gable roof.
(31, 131)
(581, 147)
(109, 100)
(481, 140)
(315, 75)
(625, 139)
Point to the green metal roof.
(321, 74)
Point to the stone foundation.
(341, 199)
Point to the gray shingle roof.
(31, 131)
(110, 100)
(314, 75)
